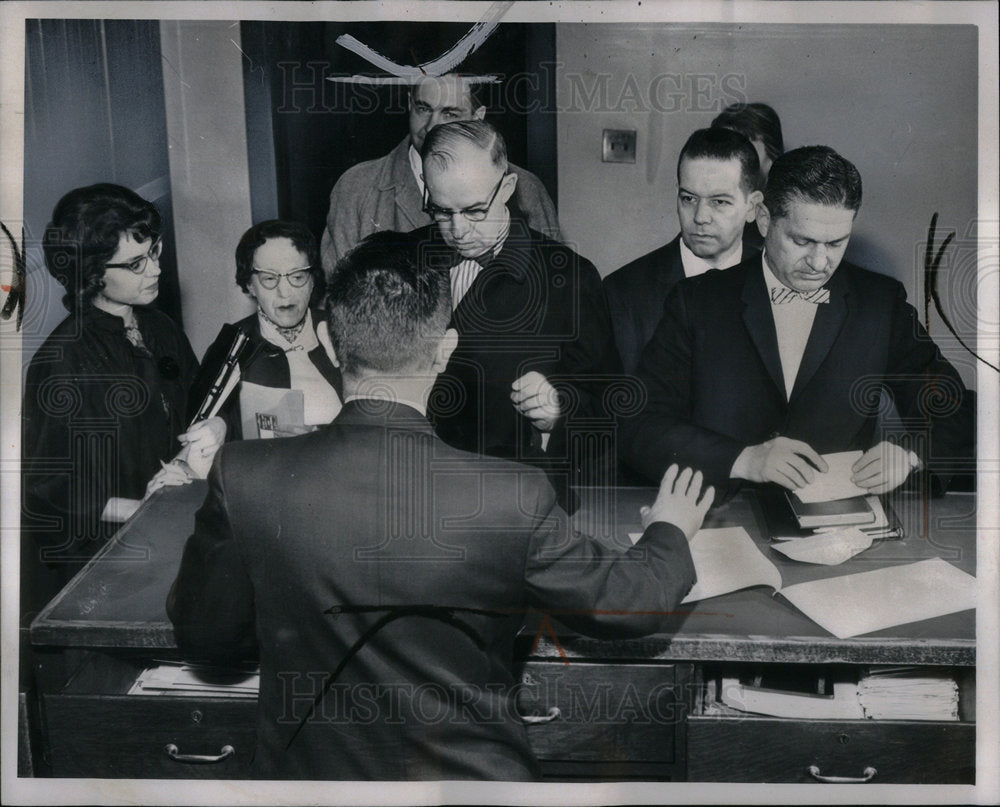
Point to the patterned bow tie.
(780, 295)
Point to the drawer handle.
(175, 753)
(867, 775)
(532, 720)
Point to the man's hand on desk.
(883, 467)
(535, 398)
(677, 502)
(787, 462)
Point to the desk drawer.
(121, 736)
(610, 713)
(752, 749)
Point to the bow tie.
(483, 260)
(780, 295)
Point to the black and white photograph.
(500, 402)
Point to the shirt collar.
(693, 265)
(770, 280)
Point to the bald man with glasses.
(535, 350)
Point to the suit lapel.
(830, 318)
(760, 322)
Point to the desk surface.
(118, 600)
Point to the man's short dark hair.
(441, 141)
(755, 122)
(724, 144)
(387, 314)
(478, 91)
(258, 235)
(814, 174)
(86, 228)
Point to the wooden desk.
(626, 709)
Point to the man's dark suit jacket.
(448, 549)
(715, 384)
(636, 293)
(536, 306)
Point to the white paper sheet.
(726, 559)
(828, 548)
(835, 483)
(855, 604)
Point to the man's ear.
(444, 350)
(763, 219)
(508, 187)
(479, 113)
(754, 200)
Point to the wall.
(898, 101)
(206, 128)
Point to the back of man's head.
(445, 143)
(755, 122)
(387, 315)
(812, 174)
(724, 145)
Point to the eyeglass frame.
(143, 265)
(307, 270)
(447, 215)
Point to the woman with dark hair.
(287, 346)
(105, 395)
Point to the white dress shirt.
(793, 321)
(693, 265)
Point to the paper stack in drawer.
(906, 693)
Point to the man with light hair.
(535, 350)
(387, 193)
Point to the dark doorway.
(303, 131)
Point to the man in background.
(718, 188)
(375, 580)
(387, 193)
(535, 350)
(759, 124)
(755, 372)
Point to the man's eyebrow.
(719, 195)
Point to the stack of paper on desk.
(176, 678)
(727, 560)
(905, 693)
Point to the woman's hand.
(172, 473)
(201, 443)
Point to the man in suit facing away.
(382, 575)
(718, 179)
(756, 371)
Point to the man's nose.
(702, 212)
(460, 225)
(817, 258)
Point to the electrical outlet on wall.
(618, 146)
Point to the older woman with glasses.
(283, 346)
(105, 396)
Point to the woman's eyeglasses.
(138, 266)
(297, 278)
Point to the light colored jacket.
(383, 194)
